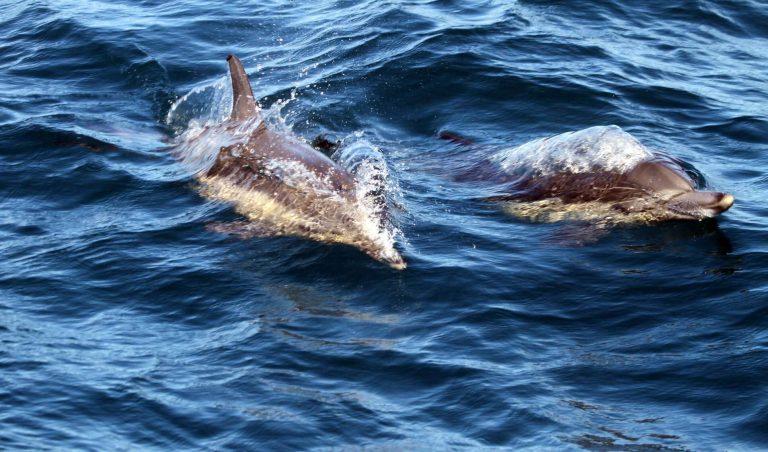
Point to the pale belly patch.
(554, 210)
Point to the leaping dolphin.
(597, 174)
(284, 186)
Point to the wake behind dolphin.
(599, 174)
(281, 185)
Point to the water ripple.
(125, 323)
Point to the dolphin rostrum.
(596, 174)
(284, 187)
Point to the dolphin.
(283, 186)
(597, 174)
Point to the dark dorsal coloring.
(243, 102)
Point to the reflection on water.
(308, 304)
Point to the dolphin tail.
(243, 102)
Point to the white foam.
(600, 148)
(376, 190)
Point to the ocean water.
(127, 324)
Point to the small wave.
(748, 129)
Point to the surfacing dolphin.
(284, 186)
(599, 174)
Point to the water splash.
(378, 190)
(199, 118)
(600, 148)
(209, 103)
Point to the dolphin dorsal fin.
(243, 103)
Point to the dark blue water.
(126, 323)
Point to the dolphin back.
(243, 102)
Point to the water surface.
(127, 324)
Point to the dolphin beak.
(700, 204)
(726, 202)
(397, 263)
(390, 257)
(721, 203)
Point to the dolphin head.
(668, 183)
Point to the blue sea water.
(126, 323)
